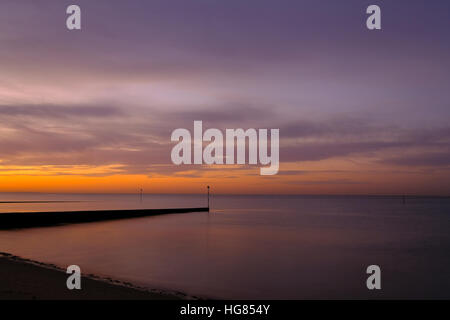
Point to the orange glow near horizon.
(323, 177)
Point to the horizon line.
(234, 194)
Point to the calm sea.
(252, 247)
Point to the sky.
(359, 111)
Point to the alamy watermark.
(213, 153)
(74, 280)
(374, 280)
(73, 21)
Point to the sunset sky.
(359, 111)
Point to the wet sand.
(22, 279)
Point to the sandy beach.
(23, 279)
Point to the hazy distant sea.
(257, 247)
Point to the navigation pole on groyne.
(208, 198)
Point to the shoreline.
(26, 279)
